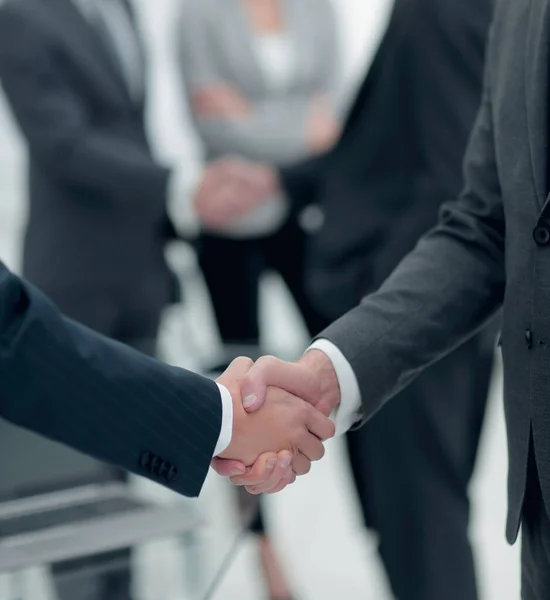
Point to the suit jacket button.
(529, 338)
(164, 468)
(155, 465)
(541, 235)
(145, 460)
(172, 474)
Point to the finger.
(270, 371)
(318, 424)
(311, 447)
(228, 468)
(286, 481)
(259, 472)
(301, 464)
(280, 472)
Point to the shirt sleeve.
(226, 431)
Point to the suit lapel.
(537, 74)
(87, 48)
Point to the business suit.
(218, 46)
(399, 158)
(97, 223)
(489, 250)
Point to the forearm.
(69, 384)
(440, 295)
(275, 132)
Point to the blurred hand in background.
(230, 188)
(322, 127)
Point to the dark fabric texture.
(490, 250)
(380, 188)
(412, 465)
(535, 539)
(401, 150)
(96, 195)
(70, 384)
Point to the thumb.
(270, 371)
(228, 468)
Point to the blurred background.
(316, 527)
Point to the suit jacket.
(67, 383)
(491, 248)
(400, 155)
(97, 197)
(217, 46)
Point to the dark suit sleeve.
(65, 382)
(302, 181)
(442, 292)
(57, 127)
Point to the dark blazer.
(491, 248)
(67, 383)
(97, 197)
(401, 151)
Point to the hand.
(312, 378)
(219, 101)
(230, 188)
(322, 128)
(284, 423)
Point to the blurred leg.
(285, 253)
(412, 464)
(231, 270)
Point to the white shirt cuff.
(182, 186)
(346, 414)
(226, 431)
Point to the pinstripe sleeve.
(65, 382)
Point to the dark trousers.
(412, 464)
(535, 539)
(232, 271)
(131, 316)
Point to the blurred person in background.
(380, 189)
(73, 72)
(261, 78)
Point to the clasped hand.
(280, 419)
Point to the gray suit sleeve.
(444, 291)
(57, 127)
(277, 125)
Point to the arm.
(67, 383)
(60, 136)
(274, 128)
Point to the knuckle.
(266, 362)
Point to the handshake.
(230, 189)
(280, 419)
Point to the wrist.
(238, 428)
(319, 363)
